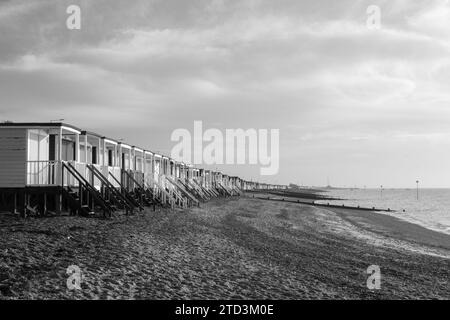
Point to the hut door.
(52, 148)
(110, 158)
(94, 155)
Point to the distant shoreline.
(336, 202)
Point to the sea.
(429, 208)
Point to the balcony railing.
(48, 173)
(43, 173)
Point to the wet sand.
(239, 248)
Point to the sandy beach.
(234, 248)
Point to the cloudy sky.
(357, 105)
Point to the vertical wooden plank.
(15, 203)
(59, 145)
(115, 162)
(24, 204)
(77, 148)
(45, 203)
(130, 162)
(85, 148)
(104, 152)
(99, 160)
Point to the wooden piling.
(15, 203)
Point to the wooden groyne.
(326, 205)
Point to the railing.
(129, 180)
(114, 172)
(194, 184)
(157, 184)
(43, 173)
(92, 178)
(110, 188)
(174, 192)
(180, 185)
(71, 172)
(69, 179)
(49, 173)
(162, 181)
(139, 177)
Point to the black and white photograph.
(221, 156)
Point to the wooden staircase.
(223, 189)
(83, 199)
(137, 191)
(199, 189)
(192, 200)
(174, 192)
(127, 195)
(110, 192)
(160, 195)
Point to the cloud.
(313, 70)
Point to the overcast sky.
(360, 106)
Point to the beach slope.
(239, 248)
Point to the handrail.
(132, 179)
(197, 185)
(176, 192)
(197, 189)
(208, 191)
(109, 185)
(166, 195)
(123, 188)
(139, 187)
(86, 184)
(214, 191)
(228, 192)
(186, 192)
(149, 190)
(76, 174)
(238, 190)
(163, 191)
(191, 188)
(115, 179)
(174, 187)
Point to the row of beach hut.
(57, 167)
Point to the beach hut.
(157, 167)
(156, 181)
(148, 168)
(189, 171)
(165, 166)
(48, 166)
(183, 170)
(55, 167)
(138, 156)
(208, 179)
